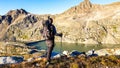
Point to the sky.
(44, 6)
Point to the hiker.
(49, 32)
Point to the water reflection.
(73, 46)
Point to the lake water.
(73, 46)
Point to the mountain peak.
(86, 4)
(83, 7)
(17, 12)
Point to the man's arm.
(57, 34)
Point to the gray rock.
(76, 53)
(9, 60)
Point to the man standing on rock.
(49, 32)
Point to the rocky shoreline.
(16, 48)
(18, 54)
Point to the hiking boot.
(47, 64)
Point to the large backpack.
(47, 30)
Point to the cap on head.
(51, 20)
(48, 17)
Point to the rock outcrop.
(85, 23)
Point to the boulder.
(91, 53)
(76, 53)
(65, 53)
(10, 60)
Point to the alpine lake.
(41, 45)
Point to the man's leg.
(49, 50)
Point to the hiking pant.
(50, 46)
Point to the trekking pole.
(61, 47)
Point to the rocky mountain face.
(85, 23)
(90, 23)
(20, 25)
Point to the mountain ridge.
(85, 23)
